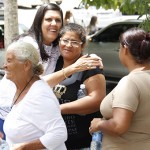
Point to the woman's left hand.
(19, 146)
(95, 125)
(1, 135)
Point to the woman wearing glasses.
(77, 113)
(43, 35)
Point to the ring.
(89, 65)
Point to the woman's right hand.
(87, 63)
(1, 135)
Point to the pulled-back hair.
(138, 42)
(25, 51)
(73, 27)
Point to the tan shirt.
(132, 93)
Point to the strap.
(72, 79)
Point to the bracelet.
(64, 73)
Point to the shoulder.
(40, 93)
(89, 73)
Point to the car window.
(22, 29)
(112, 33)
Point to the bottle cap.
(82, 86)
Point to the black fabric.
(77, 125)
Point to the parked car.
(105, 43)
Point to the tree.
(141, 7)
(11, 21)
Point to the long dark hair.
(36, 32)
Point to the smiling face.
(51, 25)
(13, 67)
(69, 51)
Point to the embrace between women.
(43, 35)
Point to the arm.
(1, 135)
(80, 65)
(45, 116)
(96, 91)
(34, 145)
(117, 125)
(124, 105)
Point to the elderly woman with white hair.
(35, 120)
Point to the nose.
(4, 65)
(69, 44)
(53, 22)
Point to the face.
(121, 54)
(71, 46)
(51, 25)
(13, 67)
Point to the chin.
(8, 76)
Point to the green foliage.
(130, 7)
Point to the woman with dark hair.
(43, 35)
(68, 17)
(126, 109)
(92, 28)
(77, 112)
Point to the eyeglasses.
(73, 43)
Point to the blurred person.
(92, 28)
(77, 113)
(68, 18)
(35, 120)
(43, 35)
(126, 109)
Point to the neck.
(20, 91)
(139, 67)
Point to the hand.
(19, 146)
(95, 125)
(87, 63)
(100, 60)
(1, 135)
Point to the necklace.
(21, 92)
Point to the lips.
(52, 30)
(67, 50)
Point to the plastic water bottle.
(82, 91)
(3, 145)
(96, 143)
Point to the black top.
(77, 125)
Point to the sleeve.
(126, 94)
(46, 116)
(7, 92)
(89, 73)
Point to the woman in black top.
(77, 113)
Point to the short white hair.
(25, 51)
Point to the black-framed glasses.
(72, 43)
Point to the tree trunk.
(11, 21)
